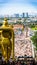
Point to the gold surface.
(7, 40)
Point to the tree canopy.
(34, 39)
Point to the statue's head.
(5, 19)
(5, 23)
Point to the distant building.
(23, 15)
(16, 15)
(27, 15)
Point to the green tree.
(34, 39)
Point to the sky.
(9, 7)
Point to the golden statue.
(7, 40)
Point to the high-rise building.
(27, 14)
(23, 15)
(16, 15)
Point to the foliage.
(34, 39)
(32, 25)
(18, 22)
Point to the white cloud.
(17, 8)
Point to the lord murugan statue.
(6, 40)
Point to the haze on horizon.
(9, 7)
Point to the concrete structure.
(23, 15)
(27, 15)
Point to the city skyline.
(9, 7)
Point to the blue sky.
(17, 6)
